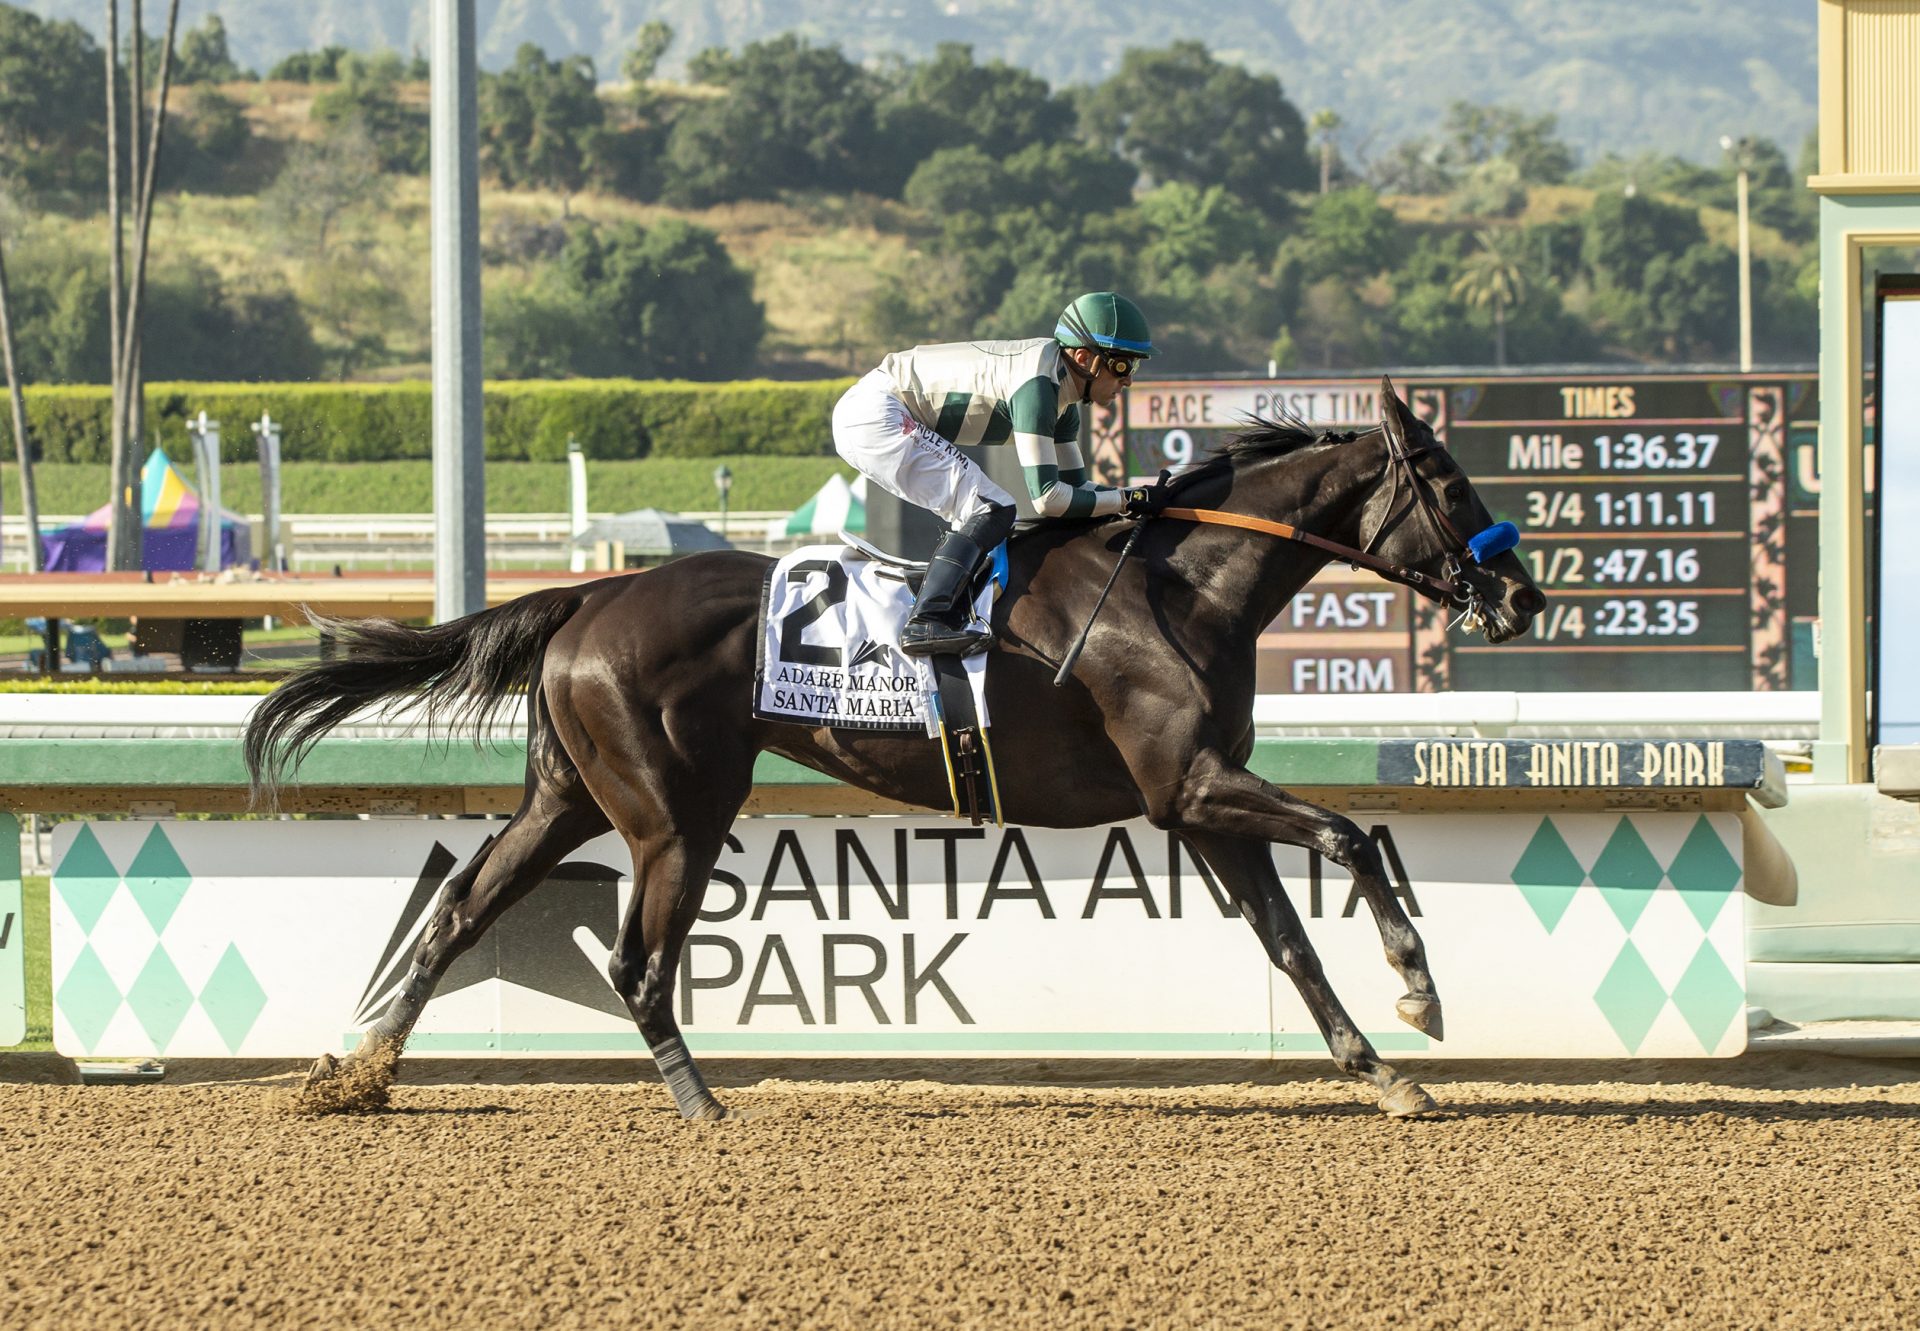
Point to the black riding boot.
(941, 612)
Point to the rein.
(1453, 590)
(1450, 587)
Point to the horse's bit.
(1480, 547)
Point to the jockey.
(899, 427)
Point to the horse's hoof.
(1423, 1014)
(710, 1112)
(1405, 1099)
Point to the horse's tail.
(460, 671)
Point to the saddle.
(828, 655)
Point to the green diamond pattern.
(160, 999)
(158, 879)
(1548, 875)
(233, 998)
(1630, 997)
(1709, 996)
(88, 998)
(1705, 873)
(1626, 874)
(86, 879)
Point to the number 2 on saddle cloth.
(831, 618)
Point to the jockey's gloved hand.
(1146, 500)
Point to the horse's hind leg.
(670, 873)
(671, 778)
(556, 819)
(1246, 869)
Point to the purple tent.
(170, 536)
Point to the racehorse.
(638, 692)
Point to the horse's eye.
(1456, 492)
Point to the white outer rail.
(1771, 716)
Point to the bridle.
(1450, 587)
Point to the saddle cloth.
(829, 650)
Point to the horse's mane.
(1258, 439)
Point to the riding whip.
(1079, 643)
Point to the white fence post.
(206, 449)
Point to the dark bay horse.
(639, 719)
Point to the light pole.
(1737, 150)
(723, 482)
(453, 186)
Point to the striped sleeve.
(1056, 474)
(1066, 445)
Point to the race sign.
(1551, 934)
(1669, 518)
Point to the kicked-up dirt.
(1774, 1191)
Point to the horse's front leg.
(1220, 796)
(1246, 870)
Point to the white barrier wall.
(1563, 935)
(13, 948)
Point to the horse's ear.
(1393, 413)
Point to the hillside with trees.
(783, 209)
(1669, 76)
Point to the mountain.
(1625, 76)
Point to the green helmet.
(1106, 320)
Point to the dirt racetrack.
(1775, 1191)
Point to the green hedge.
(678, 484)
(525, 421)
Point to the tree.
(1491, 189)
(956, 180)
(995, 107)
(669, 298)
(322, 66)
(213, 133)
(1476, 134)
(1690, 306)
(642, 59)
(322, 183)
(1626, 231)
(203, 55)
(356, 297)
(369, 92)
(49, 116)
(1325, 127)
(538, 121)
(1348, 234)
(795, 116)
(197, 325)
(538, 330)
(1179, 114)
(1495, 277)
(1193, 231)
(1415, 166)
(1066, 181)
(1777, 198)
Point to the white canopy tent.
(835, 507)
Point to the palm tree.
(1324, 125)
(1495, 276)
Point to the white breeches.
(873, 431)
